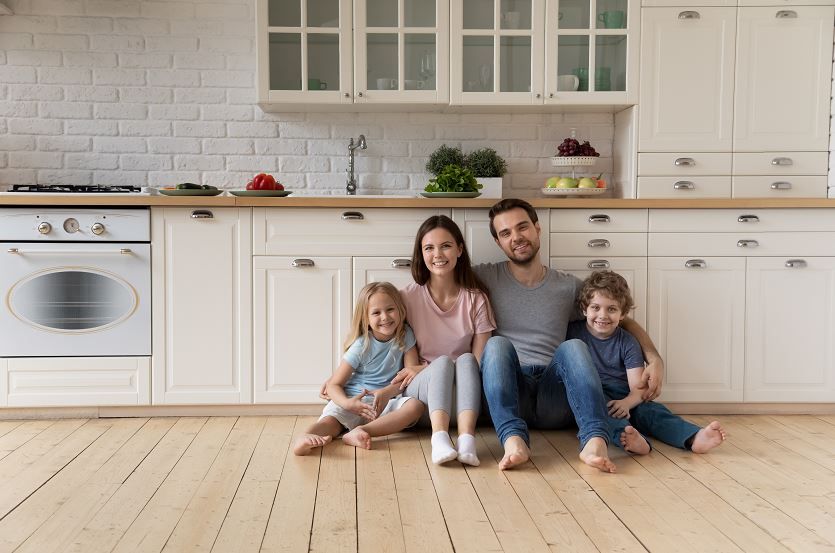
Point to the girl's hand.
(618, 409)
(381, 399)
(323, 391)
(405, 376)
(358, 407)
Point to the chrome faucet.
(351, 186)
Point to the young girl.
(362, 397)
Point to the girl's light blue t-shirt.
(375, 368)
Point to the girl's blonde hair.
(360, 323)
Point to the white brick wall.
(155, 93)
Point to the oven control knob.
(44, 228)
(97, 228)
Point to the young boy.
(605, 301)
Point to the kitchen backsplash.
(156, 93)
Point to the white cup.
(386, 84)
(568, 82)
(414, 84)
(512, 20)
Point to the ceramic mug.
(568, 82)
(612, 19)
(316, 84)
(386, 84)
(414, 84)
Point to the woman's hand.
(357, 406)
(618, 408)
(405, 376)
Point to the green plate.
(450, 194)
(262, 193)
(190, 192)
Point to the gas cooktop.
(78, 189)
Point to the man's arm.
(654, 373)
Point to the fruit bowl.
(573, 161)
(573, 191)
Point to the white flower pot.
(491, 187)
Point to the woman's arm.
(411, 367)
(653, 375)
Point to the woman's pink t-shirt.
(446, 332)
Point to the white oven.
(75, 282)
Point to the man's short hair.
(506, 205)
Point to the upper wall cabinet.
(534, 52)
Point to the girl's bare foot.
(308, 442)
(596, 454)
(516, 452)
(708, 437)
(633, 442)
(358, 438)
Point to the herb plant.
(485, 163)
(453, 178)
(443, 156)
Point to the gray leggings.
(434, 387)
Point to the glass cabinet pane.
(574, 14)
(322, 62)
(419, 68)
(285, 61)
(284, 13)
(381, 13)
(516, 14)
(610, 63)
(515, 56)
(478, 64)
(573, 58)
(611, 14)
(382, 61)
(323, 13)
(419, 13)
(478, 14)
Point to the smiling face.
(383, 316)
(603, 315)
(440, 252)
(517, 235)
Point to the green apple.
(567, 182)
(587, 182)
(552, 182)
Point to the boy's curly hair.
(611, 285)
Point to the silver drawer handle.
(689, 15)
(748, 219)
(599, 243)
(202, 214)
(600, 218)
(695, 264)
(18, 251)
(781, 185)
(13, 250)
(747, 243)
(796, 263)
(786, 14)
(352, 216)
(401, 263)
(685, 162)
(684, 185)
(598, 264)
(782, 161)
(303, 263)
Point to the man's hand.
(618, 408)
(405, 376)
(652, 379)
(358, 407)
(323, 391)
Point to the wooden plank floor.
(229, 484)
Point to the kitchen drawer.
(593, 220)
(687, 163)
(598, 244)
(343, 231)
(741, 220)
(789, 244)
(686, 188)
(781, 163)
(780, 186)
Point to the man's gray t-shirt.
(534, 319)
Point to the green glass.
(610, 63)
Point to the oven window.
(73, 301)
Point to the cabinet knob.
(303, 263)
(352, 216)
(347, 95)
(796, 263)
(598, 243)
(598, 264)
(359, 94)
(747, 243)
(538, 95)
(599, 218)
(786, 14)
(202, 214)
(781, 185)
(748, 219)
(689, 14)
(401, 263)
(44, 228)
(695, 264)
(685, 162)
(551, 95)
(684, 185)
(97, 228)
(782, 161)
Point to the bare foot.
(596, 454)
(708, 437)
(358, 438)
(633, 442)
(308, 442)
(516, 452)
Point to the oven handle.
(120, 251)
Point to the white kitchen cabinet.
(202, 305)
(397, 270)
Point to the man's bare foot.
(358, 438)
(308, 442)
(596, 454)
(516, 452)
(708, 437)
(633, 442)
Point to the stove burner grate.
(70, 188)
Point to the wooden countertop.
(399, 201)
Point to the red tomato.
(279, 186)
(250, 185)
(601, 183)
(263, 181)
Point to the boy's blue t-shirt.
(375, 368)
(611, 356)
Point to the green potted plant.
(443, 156)
(453, 178)
(489, 168)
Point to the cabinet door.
(397, 270)
(790, 322)
(783, 78)
(633, 269)
(696, 318)
(401, 51)
(304, 51)
(302, 311)
(201, 305)
(687, 71)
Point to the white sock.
(466, 450)
(442, 450)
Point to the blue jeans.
(650, 419)
(543, 396)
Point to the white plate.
(573, 161)
(573, 191)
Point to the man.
(530, 374)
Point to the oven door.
(79, 299)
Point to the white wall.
(155, 93)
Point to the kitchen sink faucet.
(351, 186)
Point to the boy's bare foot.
(708, 437)
(308, 442)
(596, 454)
(633, 442)
(516, 452)
(358, 438)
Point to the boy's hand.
(358, 407)
(405, 376)
(618, 408)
